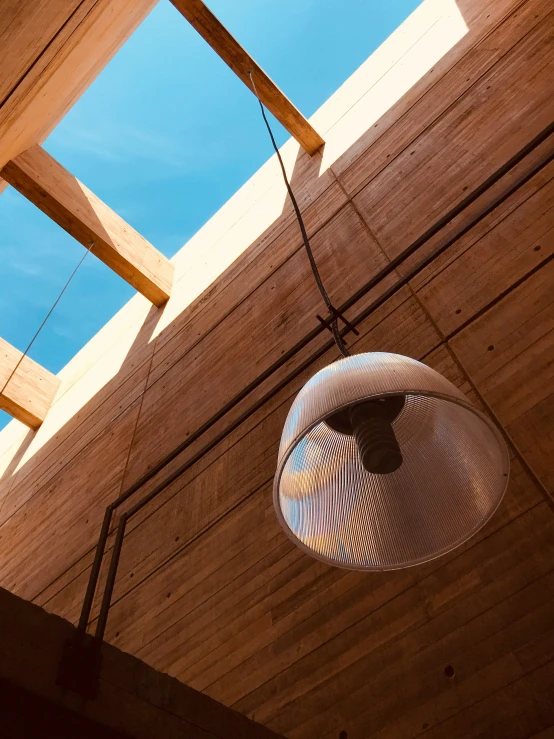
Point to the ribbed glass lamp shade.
(448, 473)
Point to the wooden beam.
(51, 52)
(29, 393)
(75, 208)
(232, 53)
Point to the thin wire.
(334, 325)
(37, 332)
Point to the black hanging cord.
(37, 332)
(333, 323)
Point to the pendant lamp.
(384, 464)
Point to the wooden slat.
(454, 596)
(461, 149)
(67, 514)
(492, 258)
(29, 393)
(75, 208)
(25, 30)
(483, 650)
(509, 354)
(500, 26)
(232, 53)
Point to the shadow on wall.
(152, 376)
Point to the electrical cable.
(326, 299)
(37, 332)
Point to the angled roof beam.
(43, 181)
(29, 393)
(232, 53)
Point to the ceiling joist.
(242, 64)
(29, 392)
(43, 181)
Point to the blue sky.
(165, 136)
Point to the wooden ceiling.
(458, 168)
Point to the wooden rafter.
(232, 53)
(75, 208)
(51, 52)
(30, 391)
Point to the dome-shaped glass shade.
(444, 476)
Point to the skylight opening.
(165, 136)
(38, 258)
(168, 133)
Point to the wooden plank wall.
(209, 589)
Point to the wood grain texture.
(506, 248)
(70, 43)
(43, 181)
(28, 394)
(461, 149)
(509, 355)
(282, 310)
(25, 30)
(67, 512)
(209, 589)
(242, 64)
(492, 30)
